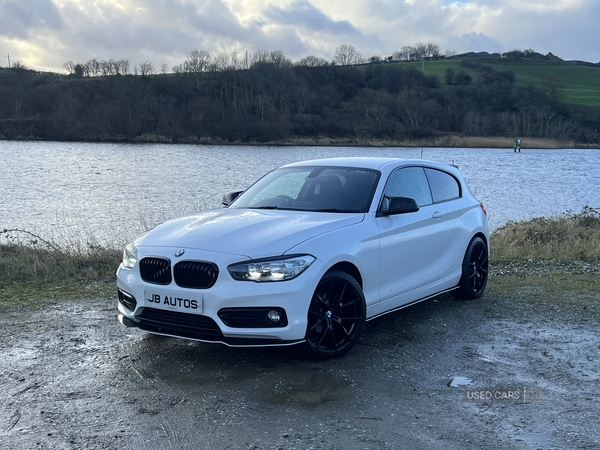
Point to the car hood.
(251, 233)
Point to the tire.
(474, 271)
(336, 316)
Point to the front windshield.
(327, 189)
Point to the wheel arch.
(350, 269)
(485, 239)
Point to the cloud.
(17, 18)
(303, 14)
(473, 42)
(46, 33)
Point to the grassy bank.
(443, 141)
(538, 259)
(568, 237)
(32, 267)
(562, 251)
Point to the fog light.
(274, 316)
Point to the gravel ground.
(72, 377)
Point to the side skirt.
(406, 305)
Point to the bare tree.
(420, 50)
(553, 87)
(404, 54)
(105, 68)
(397, 56)
(124, 66)
(372, 106)
(279, 60)
(433, 50)
(412, 108)
(197, 61)
(303, 97)
(164, 68)
(312, 61)
(69, 66)
(259, 56)
(476, 124)
(347, 55)
(237, 62)
(114, 67)
(146, 68)
(220, 63)
(18, 65)
(228, 61)
(91, 68)
(18, 106)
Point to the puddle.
(460, 381)
(540, 440)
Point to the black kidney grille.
(156, 270)
(195, 274)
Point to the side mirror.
(230, 197)
(399, 205)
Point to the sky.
(44, 34)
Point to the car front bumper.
(234, 313)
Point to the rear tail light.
(483, 208)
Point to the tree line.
(265, 97)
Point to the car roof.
(375, 163)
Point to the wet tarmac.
(72, 377)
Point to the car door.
(450, 209)
(412, 242)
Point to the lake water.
(112, 192)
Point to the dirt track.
(72, 377)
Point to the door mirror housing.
(398, 205)
(229, 197)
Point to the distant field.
(581, 83)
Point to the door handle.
(437, 214)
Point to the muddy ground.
(71, 377)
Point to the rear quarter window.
(444, 186)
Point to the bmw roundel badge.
(179, 252)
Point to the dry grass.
(566, 237)
(449, 141)
(498, 142)
(30, 264)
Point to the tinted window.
(443, 185)
(409, 182)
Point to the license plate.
(174, 302)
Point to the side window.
(444, 186)
(409, 182)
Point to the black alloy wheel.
(336, 316)
(474, 271)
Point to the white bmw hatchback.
(307, 254)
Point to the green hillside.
(580, 84)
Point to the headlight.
(271, 269)
(129, 256)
